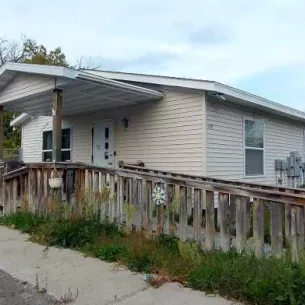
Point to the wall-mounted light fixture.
(125, 123)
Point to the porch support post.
(1, 132)
(57, 119)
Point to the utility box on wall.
(290, 171)
(281, 165)
(294, 165)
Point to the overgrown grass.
(268, 281)
(26, 222)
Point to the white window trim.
(63, 149)
(254, 148)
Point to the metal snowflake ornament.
(158, 195)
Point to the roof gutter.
(206, 85)
(259, 101)
(119, 85)
(20, 119)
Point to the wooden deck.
(124, 195)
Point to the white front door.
(103, 143)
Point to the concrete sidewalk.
(98, 283)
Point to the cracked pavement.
(64, 273)
(15, 292)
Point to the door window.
(102, 144)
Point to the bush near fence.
(246, 278)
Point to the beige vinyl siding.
(31, 138)
(168, 134)
(225, 140)
(25, 84)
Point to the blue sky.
(258, 46)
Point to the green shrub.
(73, 233)
(76, 233)
(169, 242)
(190, 251)
(140, 262)
(110, 252)
(26, 222)
(268, 281)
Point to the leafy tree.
(38, 54)
(26, 51)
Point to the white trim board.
(57, 71)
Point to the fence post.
(197, 214)
(210, 221)
(30, 190)
(144, 205)
(45, 187)
(160, 218)
(149, 211)
(258, 227)
(189, 201)
(86, 180)
(120, 199)
(183, 214)
(223, 205)
(15, 191)
(241, 222)
(112, 199)
(166, 209)
(300, 224)
(172, 196)
(288, 222)
(139, 206)
(294, 237)
(276, 229)
(8, 200)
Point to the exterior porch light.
(125, 123)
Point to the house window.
(65, 145)
(254, 147)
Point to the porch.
(124, 196)
(70, 96)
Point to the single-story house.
(177, 124)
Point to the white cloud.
(259, 35)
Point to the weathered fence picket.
(183, 214)
(224, 221)
(197, 215)
(210, 221)
(258, 226)
(276, 228)
(189, 212)
(294, 235)
(241, 227)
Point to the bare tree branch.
(86, 63)
(10, 51)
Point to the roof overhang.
(82, 91)
(231, 94)
(20, 119)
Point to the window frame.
(245, 147)
(63, 149)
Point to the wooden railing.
(246, 216)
